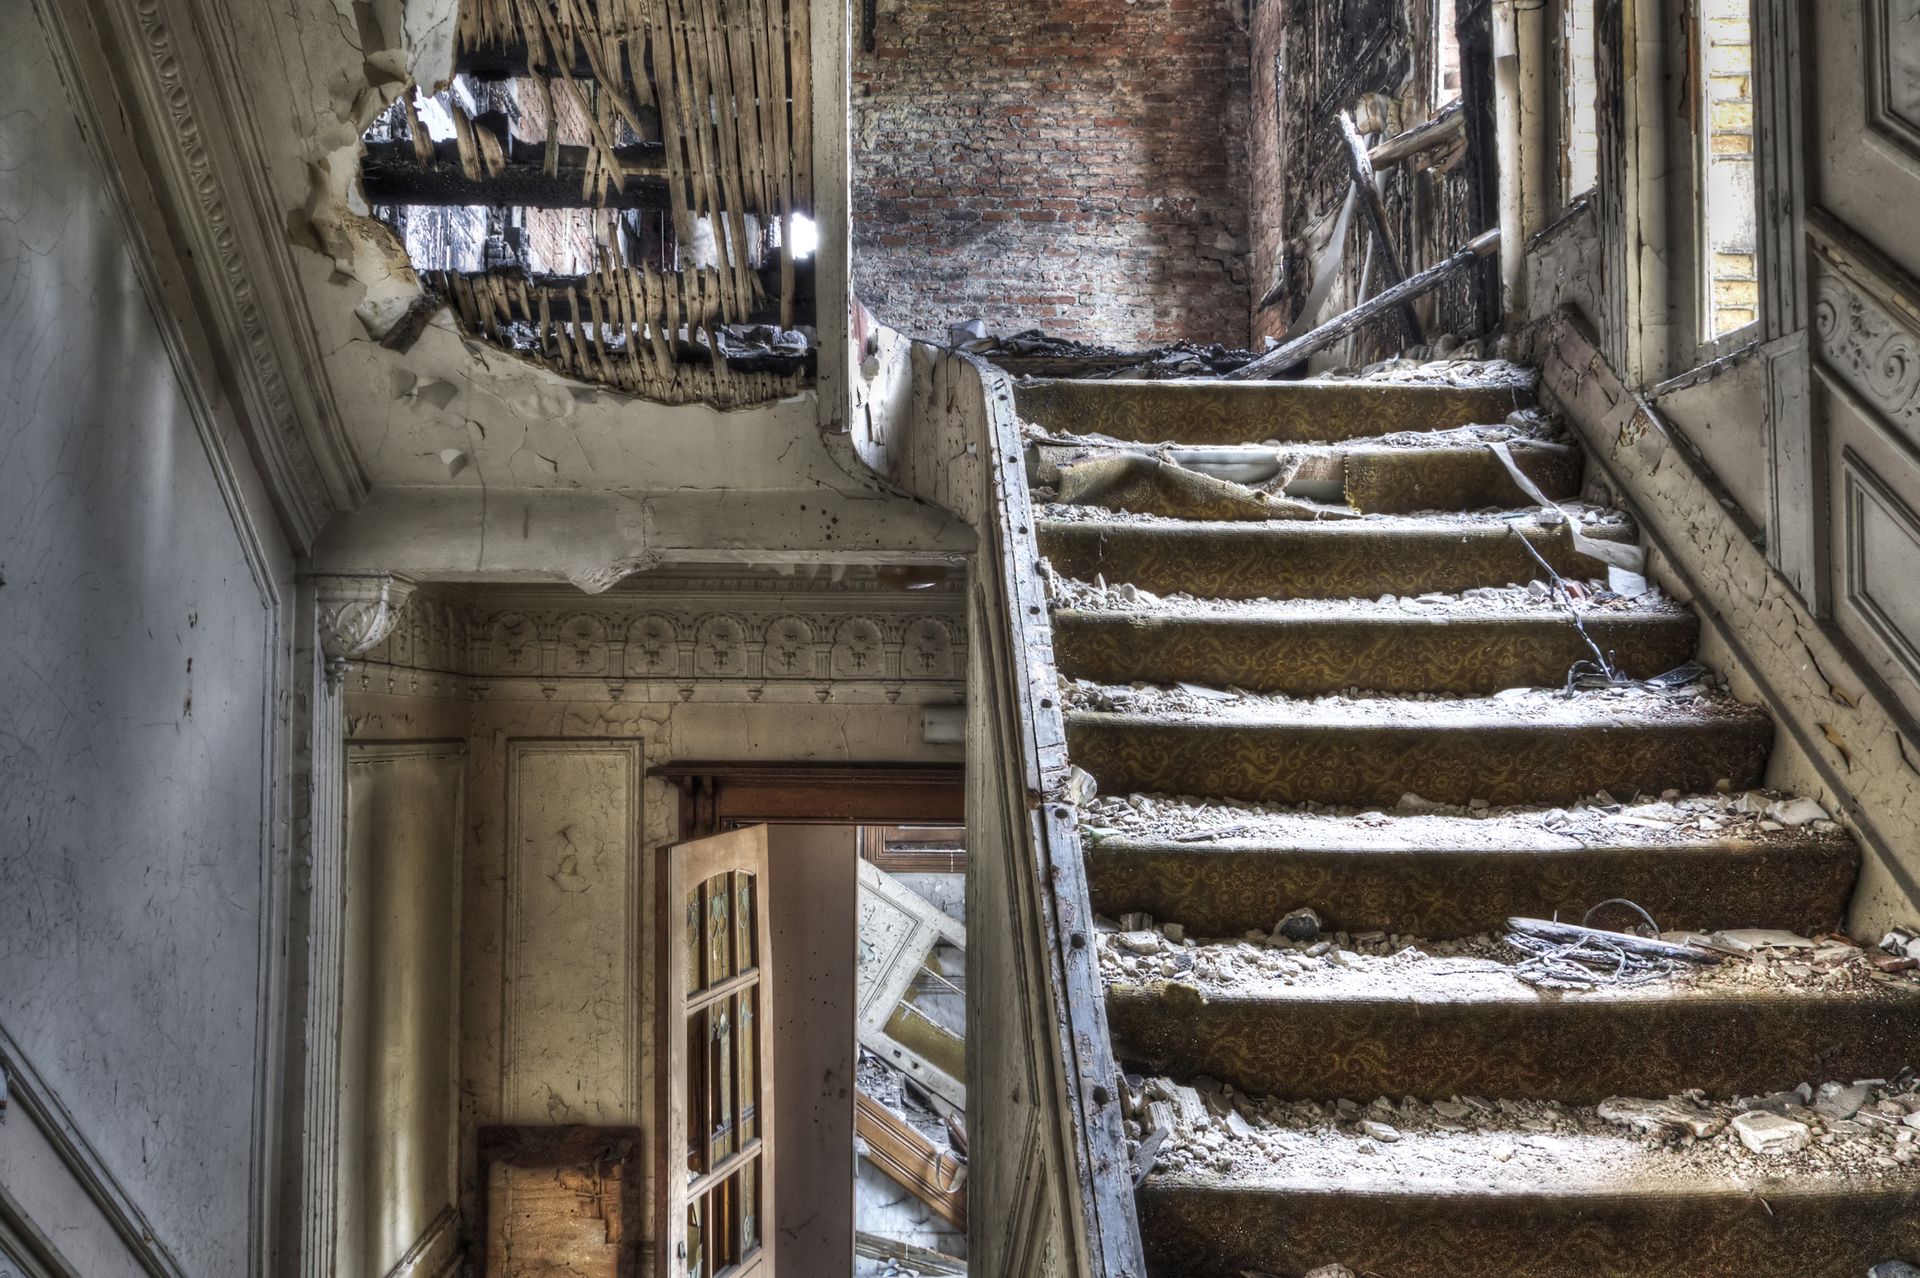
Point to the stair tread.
(1608, 525)
(1479, 972)
(1231, 412)
(1504, 1158)
(1523, 830)
(1498, 605)
(1524, 709)
(1461, 439)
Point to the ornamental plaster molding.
(355, 614)
(233, 249)
(1869, 348)
(758, 644)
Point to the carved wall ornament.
(355, 614)
(653, 646)
(1872, 351)
(720, 647)
(858, 648)
(751, 640)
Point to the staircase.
(1365, 718)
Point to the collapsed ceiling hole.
(617, 189)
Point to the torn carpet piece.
(1626, 562)
(1153, 485)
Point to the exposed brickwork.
(1076, 166)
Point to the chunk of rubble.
(1654, 1116)
(1770, 1134)
(1299, 925)
(1796, 812)
(1748, 939)
(1839, 1103)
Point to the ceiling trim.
(214, 198)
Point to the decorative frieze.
(739, 644)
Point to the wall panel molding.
(231, 247)
(1880, 540)
(1893, 73)
(37, 1103)
(586, 849)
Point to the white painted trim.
(29, 1092)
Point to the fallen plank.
(1281, 358)
(934, 1176)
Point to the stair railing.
(1051, 1187)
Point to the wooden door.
(717, 1080)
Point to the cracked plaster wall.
(140, 710)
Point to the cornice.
(175, 86)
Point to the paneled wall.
(1781, 479)
(143, 595)
(564, 705)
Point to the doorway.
(861, 1025)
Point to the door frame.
(717, 796)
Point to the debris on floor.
(1206, 1125)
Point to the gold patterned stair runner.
(1326, 760)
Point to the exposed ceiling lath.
(620, 190)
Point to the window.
(1729, 232)
(1580, 137)
(1446, 56)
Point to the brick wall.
(1072, 165)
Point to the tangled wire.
(1591, 961)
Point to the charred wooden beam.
(1281, 358)
(1447, 126)
(390, 174)
(1376, 212)
(509, 62)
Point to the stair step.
(1253, 412)
(1462, 647)
(1537, 748)
(1445, 876)
(1333, 559)
(1274, 1022)
(1374, 476)
(1390, 481)
(1475, 1204)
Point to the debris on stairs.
(1362, 743)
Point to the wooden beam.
(1281, 358)
(391, 174)
(1391, 266)
(1450, 124)
(932, 1175)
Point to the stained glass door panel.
(718, 1102)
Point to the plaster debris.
(1675, 1140)
(1771, 1135)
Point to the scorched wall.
(1076, 166)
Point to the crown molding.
(196, 143)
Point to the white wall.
(141, 622)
